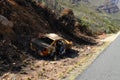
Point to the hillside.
(112, 7)
(29, 18)
(88, 14)
(22, 20)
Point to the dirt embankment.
(29, 18)
(22, 20)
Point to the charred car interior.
(50, 45)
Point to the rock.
(66, 12)
(4, 21)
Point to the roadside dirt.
(17, 62)
(46, 69)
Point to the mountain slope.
(23, 20)
(112, 7)
(89, 16)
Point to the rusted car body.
(50, 44)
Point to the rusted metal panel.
(53, 36)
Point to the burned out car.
(50, 44)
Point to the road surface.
(106, 66)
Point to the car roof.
(53, 36)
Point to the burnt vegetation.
(27, 20)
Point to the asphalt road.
(106, 66)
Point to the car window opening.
(46, 40)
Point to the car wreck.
(50, 45)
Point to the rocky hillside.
(110, 6)
(22, 20)
(29, 18)
(96, 21)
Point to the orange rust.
(45, 52)
(67, 12)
